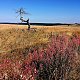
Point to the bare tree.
(21, 12)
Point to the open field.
(43, 53)
(17, 36)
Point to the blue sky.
(51, 11)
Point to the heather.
(56, 60)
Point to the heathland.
(41, 53)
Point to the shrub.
(52, 63)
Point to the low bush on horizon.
(55, 62)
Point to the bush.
(52, 63)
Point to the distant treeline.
(41, 24)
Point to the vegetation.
(52, 54)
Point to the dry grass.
(16, 39)
(17, 36)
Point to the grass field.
(17, 36)
(17, 44)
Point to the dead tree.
(28, 23)
(21, 12)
